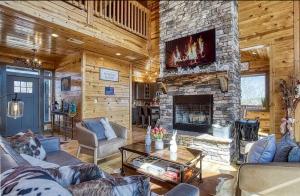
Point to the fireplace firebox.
(193, 112)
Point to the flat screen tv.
(193, 50)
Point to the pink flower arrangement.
(158, 132)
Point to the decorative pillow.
(96, 127)
(109, 131)
(283, 149)
(71, 175)
(294, 155)
(263, 150)
(27, 143)
(131, 185)
(30, 181)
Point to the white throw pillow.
(109, 131)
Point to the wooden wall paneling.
(83, 75)
(115, 107)
(70, 66)
(270, 23)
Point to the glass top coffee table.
(161, 165)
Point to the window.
(47, 95)
(22, 87)
(21, 70)
(254, 91)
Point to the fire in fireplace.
(192, 112)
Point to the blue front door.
(28, 91)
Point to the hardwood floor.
(212, 173)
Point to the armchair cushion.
(109, 131)
(109, 147)
(95, 126)
(263, 150)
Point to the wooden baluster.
(147, 23)
(100, 8)
(136, 19)
(143, 22)
(118, 11)
(104, 10)
(114, 10)
(122, 12)
(139, 19)
(131, 17)
(90, 12)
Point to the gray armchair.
(100, 149)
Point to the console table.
(66, 125)
(185, 159)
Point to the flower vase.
(148, 137)
(159, 144)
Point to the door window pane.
(17, 89)
(253, 89)
(23, 84)
(24, 90)
(22, 87)
(29, 84)
(17, 83)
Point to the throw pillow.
(75, 174)
(294, 155)
(263, 150)
(96, 127)
(283, 149)
(30, 181)
(27, 143)
(131, 185)
(109, 132)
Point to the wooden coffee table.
(185, 160)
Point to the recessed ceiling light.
(54, 35)
(118, 54)
(254, 53)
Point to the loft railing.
(127, 14)
(82, 4)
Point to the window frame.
(254, 107)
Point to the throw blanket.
(30, 181)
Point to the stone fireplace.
(182, 18)
(192, 112)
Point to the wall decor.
(66, 83)
(192, 50)
(109, 74)
(109, 90)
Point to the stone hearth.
(182, 18)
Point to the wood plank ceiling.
(21, 33)
(248, 55)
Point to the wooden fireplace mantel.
(196, 78)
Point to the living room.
(150, 97)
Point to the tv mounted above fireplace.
(193, 50)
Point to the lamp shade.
(15, 109)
